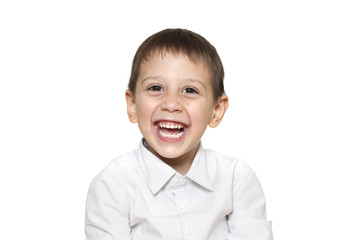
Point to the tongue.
(171, 131)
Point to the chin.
(169, 154)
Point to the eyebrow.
(150, 77)
(186, 79)
(196, 80)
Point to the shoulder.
(122, 170)
(238, 165)
(243, 179)
(114, 186)
(233, 170)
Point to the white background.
(292, 75)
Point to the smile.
(170, 131)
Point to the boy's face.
(173, 104)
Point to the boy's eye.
(190, 90)
(155, 88)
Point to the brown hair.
(182, 41)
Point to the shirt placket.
(181, 200)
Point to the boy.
(170, 187)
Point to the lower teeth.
(167, 135)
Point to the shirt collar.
(199, 171)
(158, 173)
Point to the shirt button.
(188, 231)
(181, 205)
(182, 181)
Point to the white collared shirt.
(137, 196)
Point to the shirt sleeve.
(107, 211)
(248, 217)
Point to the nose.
(171, 103)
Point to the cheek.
(200, 114)
(144, 111)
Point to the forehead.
(167, 61)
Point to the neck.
(182, 163)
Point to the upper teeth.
(171, 125)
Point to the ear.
(131, 106)
(220, 108)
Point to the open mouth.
(170, 130)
